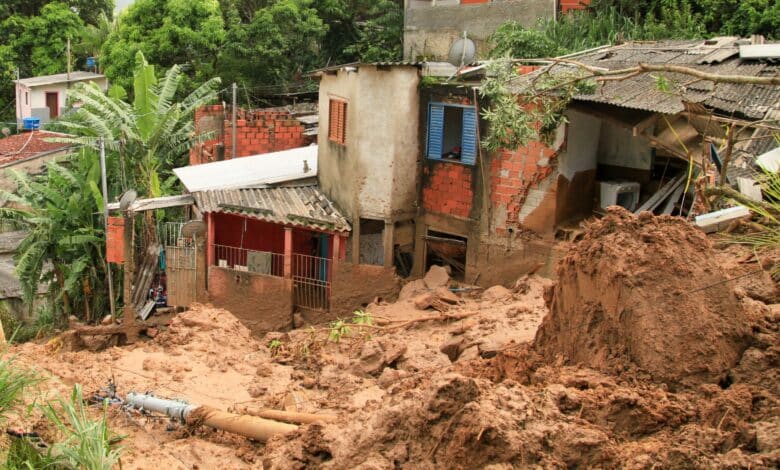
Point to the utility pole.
(105, 217)
(18, 99)
(235, 91)
(68, 62)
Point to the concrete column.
(342, 253)
(211, 255)
(201, 268)
(418, 269)
(288, 246)
(387, 243)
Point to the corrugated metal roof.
(641, 92)
(254, 171)
(59, 78)
(302, 206)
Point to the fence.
(311, 281)
(243, 259)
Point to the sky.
(120, 4)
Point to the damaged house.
(493, 215)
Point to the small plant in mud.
(338, 329)
(363, 318)
(13, 381)
(274, 346)
(87, 444)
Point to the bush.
(513, 40)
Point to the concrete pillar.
(355, 240)
(211, 230)
(288, 246)
(387, 243)
(201, 269)
(342, 253)
(420, 230)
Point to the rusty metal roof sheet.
(301, 206)
(641, 92)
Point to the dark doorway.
(445, 249)
(53, 103)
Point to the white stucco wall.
(582, 144)
(375, 174)
(35, 106)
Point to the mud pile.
(645, 292)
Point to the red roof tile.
(27, 144)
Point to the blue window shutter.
(469, 143)
(435, 130)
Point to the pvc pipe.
(174, 409)
(248, 426)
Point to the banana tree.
(150, 136)
(64, 244)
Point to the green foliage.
(379, 34)
(769, 213)
(146, 139)
(14, 380)
(168, 32)
(337, 330)
(279, 42)
(86, 443)
(43, 324)
(511, 39)
(274, 346)
(363, 318)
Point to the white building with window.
(44, 97)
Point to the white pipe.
(174, 409)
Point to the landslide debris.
(645, 292)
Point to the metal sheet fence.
(243, 259)
(311, 281)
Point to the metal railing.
(243, 259)
(311, 281)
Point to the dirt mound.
(634, 293)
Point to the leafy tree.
(94, 36)
(151, 136)
(742, 17)
(380, 34)
(64, 246)
(186, 32)
(512, 39)
(88, 10)
(281, 41)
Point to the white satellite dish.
(128, 197)
(462, 52)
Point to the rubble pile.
(645, 292)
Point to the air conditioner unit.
(619, 193)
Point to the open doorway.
(446, 249)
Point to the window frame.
(468, 142)
(337, 116)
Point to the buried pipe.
(289, 416)
(248, 426)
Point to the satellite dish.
(128, 197)
(462, 52)
(193, 228)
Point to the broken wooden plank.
(720, 220)
(669, 206)
(661, 194)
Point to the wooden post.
(288, 242)
(336, 255)
(2, 333)
(210, 239)
(128, 317)
(387, 243)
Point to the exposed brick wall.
(448, 188)
(257, 132)
(514, 175)
(568, 5)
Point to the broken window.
(452, 133)
(337, 121)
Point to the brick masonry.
(448, 188)
(257, 132)
(517, 182)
